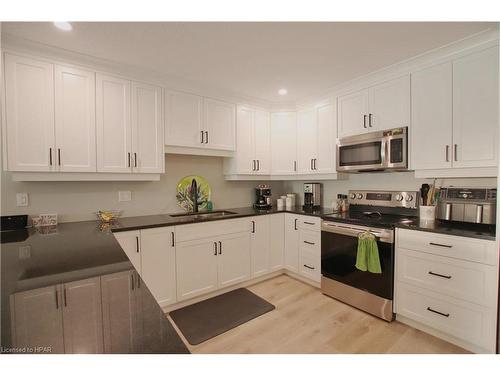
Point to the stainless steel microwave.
(377, 151)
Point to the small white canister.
(427, 213)
(280, 203)
(289, 204)
(292, 196)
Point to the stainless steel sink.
(205, 215)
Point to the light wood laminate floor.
(306, 321)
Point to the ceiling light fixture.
(66, 26)
(282, 92)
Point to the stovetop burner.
(372, 219)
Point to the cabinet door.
(158, 263)
(120, 312)
(183, 117)
(432, 117)
(277, 241)
(130, 243)
(196, 265)
(260, 241)
(75, 120)
(29, 113)
(147, 129)
(245, 154)
(389, 104)
(284, 143)
(326, 135)
(475, 109)
(353, 113)
(82, 317)
(262, 142)
(220, 123)
(233, 259)
(37, 319)
(114, 131)
(291, 255)
(307, 141)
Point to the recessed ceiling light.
(282, 92)
(66, 26)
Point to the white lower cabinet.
(291, 255)
(152, 253)
(448, 284)
(233, 259)
(277, 240)
(260, 242)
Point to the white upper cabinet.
(380, 107)
(431, 96)
(147, 129)
(29, 113)
(455, 114)
(353, 113)
(389, 104)
(114, 129)
(327, 134)
(308, 140)
(183, 119)
(253, 149)
(475, 109)
(75, 120)
(219, 124)
(284, 143)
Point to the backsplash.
(381, 181)
(75, 201)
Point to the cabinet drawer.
(465, 280)
(211, 229)
(475, 250)
(309, 223)
(463, 320)
(310, 241)
(310, 265)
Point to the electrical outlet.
(124, 196)
(22, 199)
(25, 252)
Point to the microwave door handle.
(384, 151)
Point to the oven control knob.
(353, 196)
(399, 197)
(409, 198)
(359, 196)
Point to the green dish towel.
(367, 258)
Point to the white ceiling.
(253, 59)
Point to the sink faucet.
(194, 195)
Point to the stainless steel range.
(376, 212)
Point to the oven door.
(339, 244)
(361, 153)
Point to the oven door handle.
(355, 232)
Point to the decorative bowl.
(108, 216)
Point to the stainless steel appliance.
(378, 151)
(471, 205)
(376, 212)
(312, 194)
(263, 197)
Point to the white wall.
(75, 201)
(381, 181)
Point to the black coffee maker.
(263, 197)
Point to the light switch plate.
(124, 196)
(25, 252)
(22, 199)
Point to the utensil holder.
(427, 213)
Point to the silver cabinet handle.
(315, 168)
(253, 165)
(308, 223)
(258, 164)
(439, 275)
(50, 155)
(438, 312)
(220, 248)
(440, 245)
(447, 153)
(311, 268)
(173, 239)
(295, 224)
(135, 159)
(137, 243)
(128, 156)
(253, 226)
(309, 243)
(202, 138)
(455, 152)
(312, 168)
(370, 120)
(206, 140)
(65, 298)
(59, 156)
(215, 248)
(364, 121)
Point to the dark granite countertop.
(35, 258)
(480, 231)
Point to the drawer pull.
(437, 312)
(440, 245)
(439, 275)
(309, 243)
(311, 268)
(308, 223)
